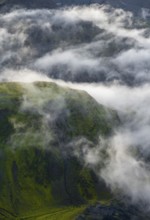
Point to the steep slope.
(42, 129)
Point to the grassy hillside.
(41, 125)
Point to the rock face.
(134, 5)
(112, 212)
(41, 126)
(31, 4)
(126, 4)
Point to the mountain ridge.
(134, 5)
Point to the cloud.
(122, 159)
(126, 168)
(102, 51)
(23, 75)
(82, 44)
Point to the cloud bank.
(104, 52)
(78, 44)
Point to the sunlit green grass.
(65, 213)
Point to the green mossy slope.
(38, 170)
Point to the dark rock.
(134, 5)
(113, 211)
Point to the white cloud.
(32, 48)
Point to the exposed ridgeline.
(131, 5)
(43, 127)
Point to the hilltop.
(43, 130)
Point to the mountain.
(54, 141)
(43, 130)
(131, 5)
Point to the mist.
(103, 51)
(127, 167)
(78, 44)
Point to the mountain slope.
(42, 128)
(131, 5)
